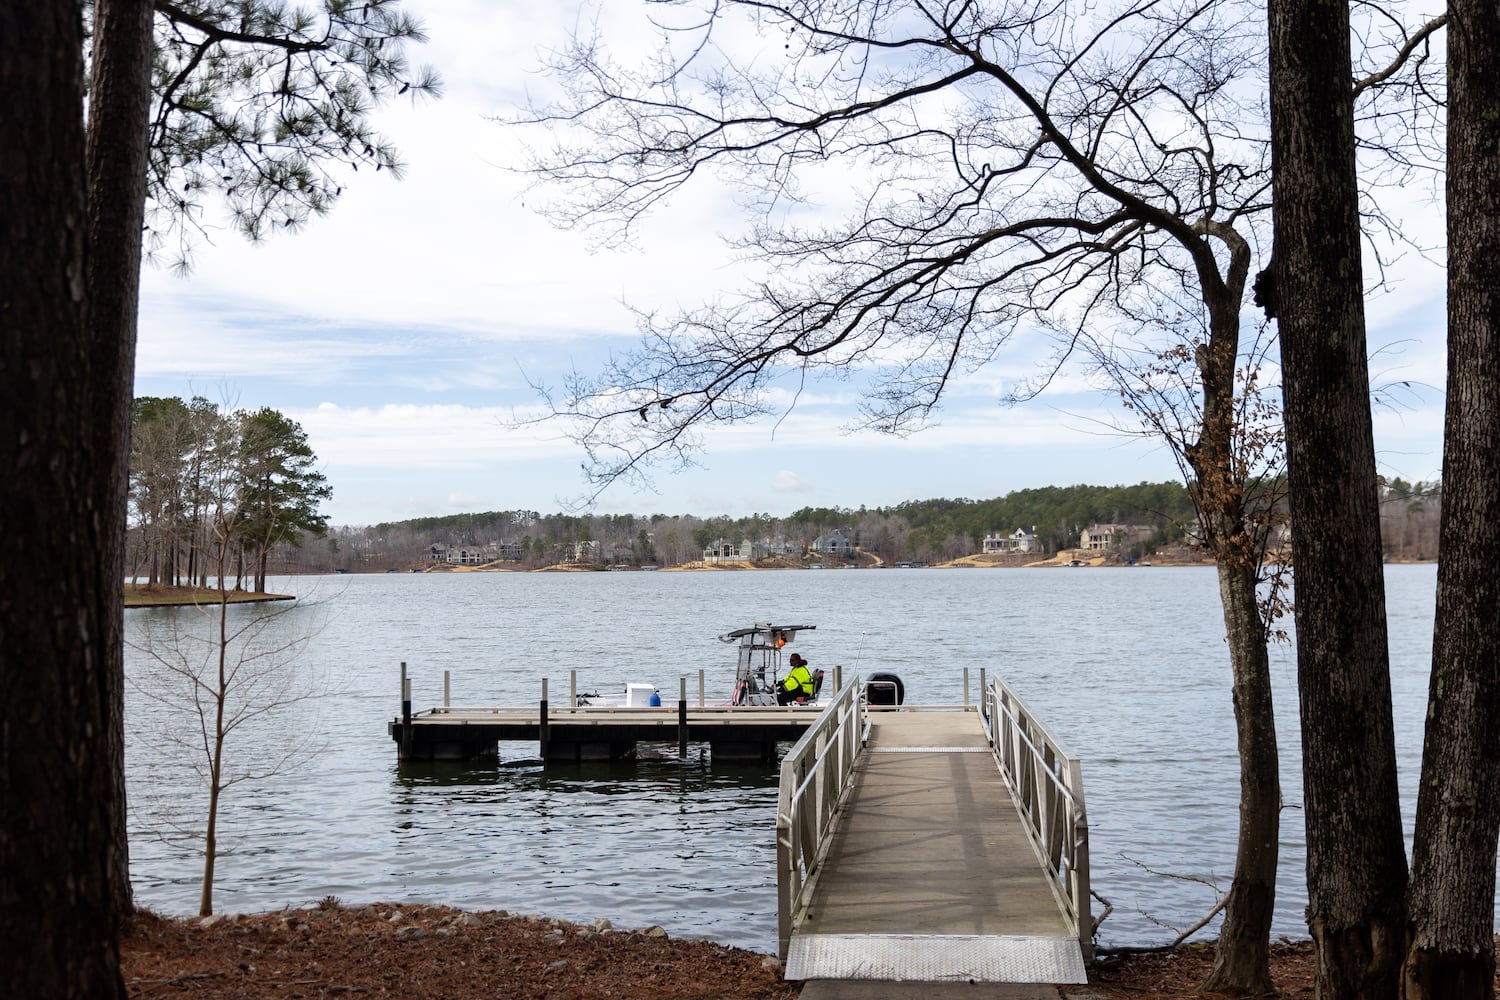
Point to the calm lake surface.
(1127, 667)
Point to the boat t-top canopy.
(765, 634)
(758, 670)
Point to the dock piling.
(966, 687)
(682, 726)
(984, 703)
(447, 701)
(542, 725)
(700, 687)
(405, 712)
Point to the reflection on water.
(1128, 668)
(641, 840)
(644, 772)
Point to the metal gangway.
(932, 844)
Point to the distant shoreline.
(1064, 560)
(735, 566)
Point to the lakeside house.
(722, 550)
(463, 555)
(1106, 537)
(585, 551)
(473, 555)
(726, 551)
(836, 543)
(1020, 540)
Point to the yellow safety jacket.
(799, 681)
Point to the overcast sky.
(401, 331)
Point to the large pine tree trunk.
(1356, 859)
(1451, 945)
(119, 105)
(58, 919)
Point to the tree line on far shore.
(935, 530)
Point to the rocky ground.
(426, 953)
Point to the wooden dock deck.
(929, 873)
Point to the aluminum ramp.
(930, 875)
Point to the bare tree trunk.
(58, 771)
(1242, 959)
(1356, 859)
(119, 104)
(1450, 941)
(216, 760)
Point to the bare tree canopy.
(998, 167)
(1006, 167)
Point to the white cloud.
(421, 437)
(786, 481)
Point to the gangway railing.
(815, 775)
(1047, 783)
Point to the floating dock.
(598, 733)
(591, 732)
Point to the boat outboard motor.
(885, 689)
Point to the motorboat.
(758, 673)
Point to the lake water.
(1127, 667)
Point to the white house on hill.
(1020, 540)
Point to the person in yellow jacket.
(800, 683)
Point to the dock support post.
(682, 732)
(405, 713)
(838, 677)
(966, 687)
(447, 701)
(984, 705)
(542, 725)
(700, 687)
(572, 690)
